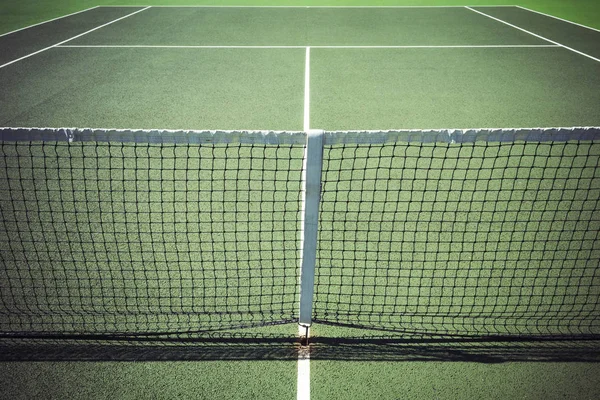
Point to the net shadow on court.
(261, 347)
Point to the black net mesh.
(182, 240)
(465, 239)
(133, 238)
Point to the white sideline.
(536, 35)
(50, 20)
(560, 19)
(74, 37)
(314, 47)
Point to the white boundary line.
(560, 19)
(74, 37)
(314, 47)
(134, 46)
(50, 20)
(232, 6)
(303, 386)
(533, 34)
(307, 91)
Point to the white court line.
(50, 20)
(307, 91)
(314, 47)
(226, 6)
(74, 37)
(303, 386)
(265, 131)
(179, 47)
(536, 35)
(560, 19)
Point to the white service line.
(536, 35)
(307, 91)
(134, 46)
(314, 47)
(230, 6)
(50, 20)
(458, 46)
(74, 37)
(560, 19)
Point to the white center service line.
(307, 91)
(74, 37)
(303, 384)
(533, 34)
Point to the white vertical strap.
(310, 220)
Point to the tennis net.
(481, 233)
(137, 234)
(141, 233)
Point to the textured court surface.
(175, 68)
(429, 75)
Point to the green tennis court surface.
(429, 250)
(175, 68)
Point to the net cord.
(559, 134)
